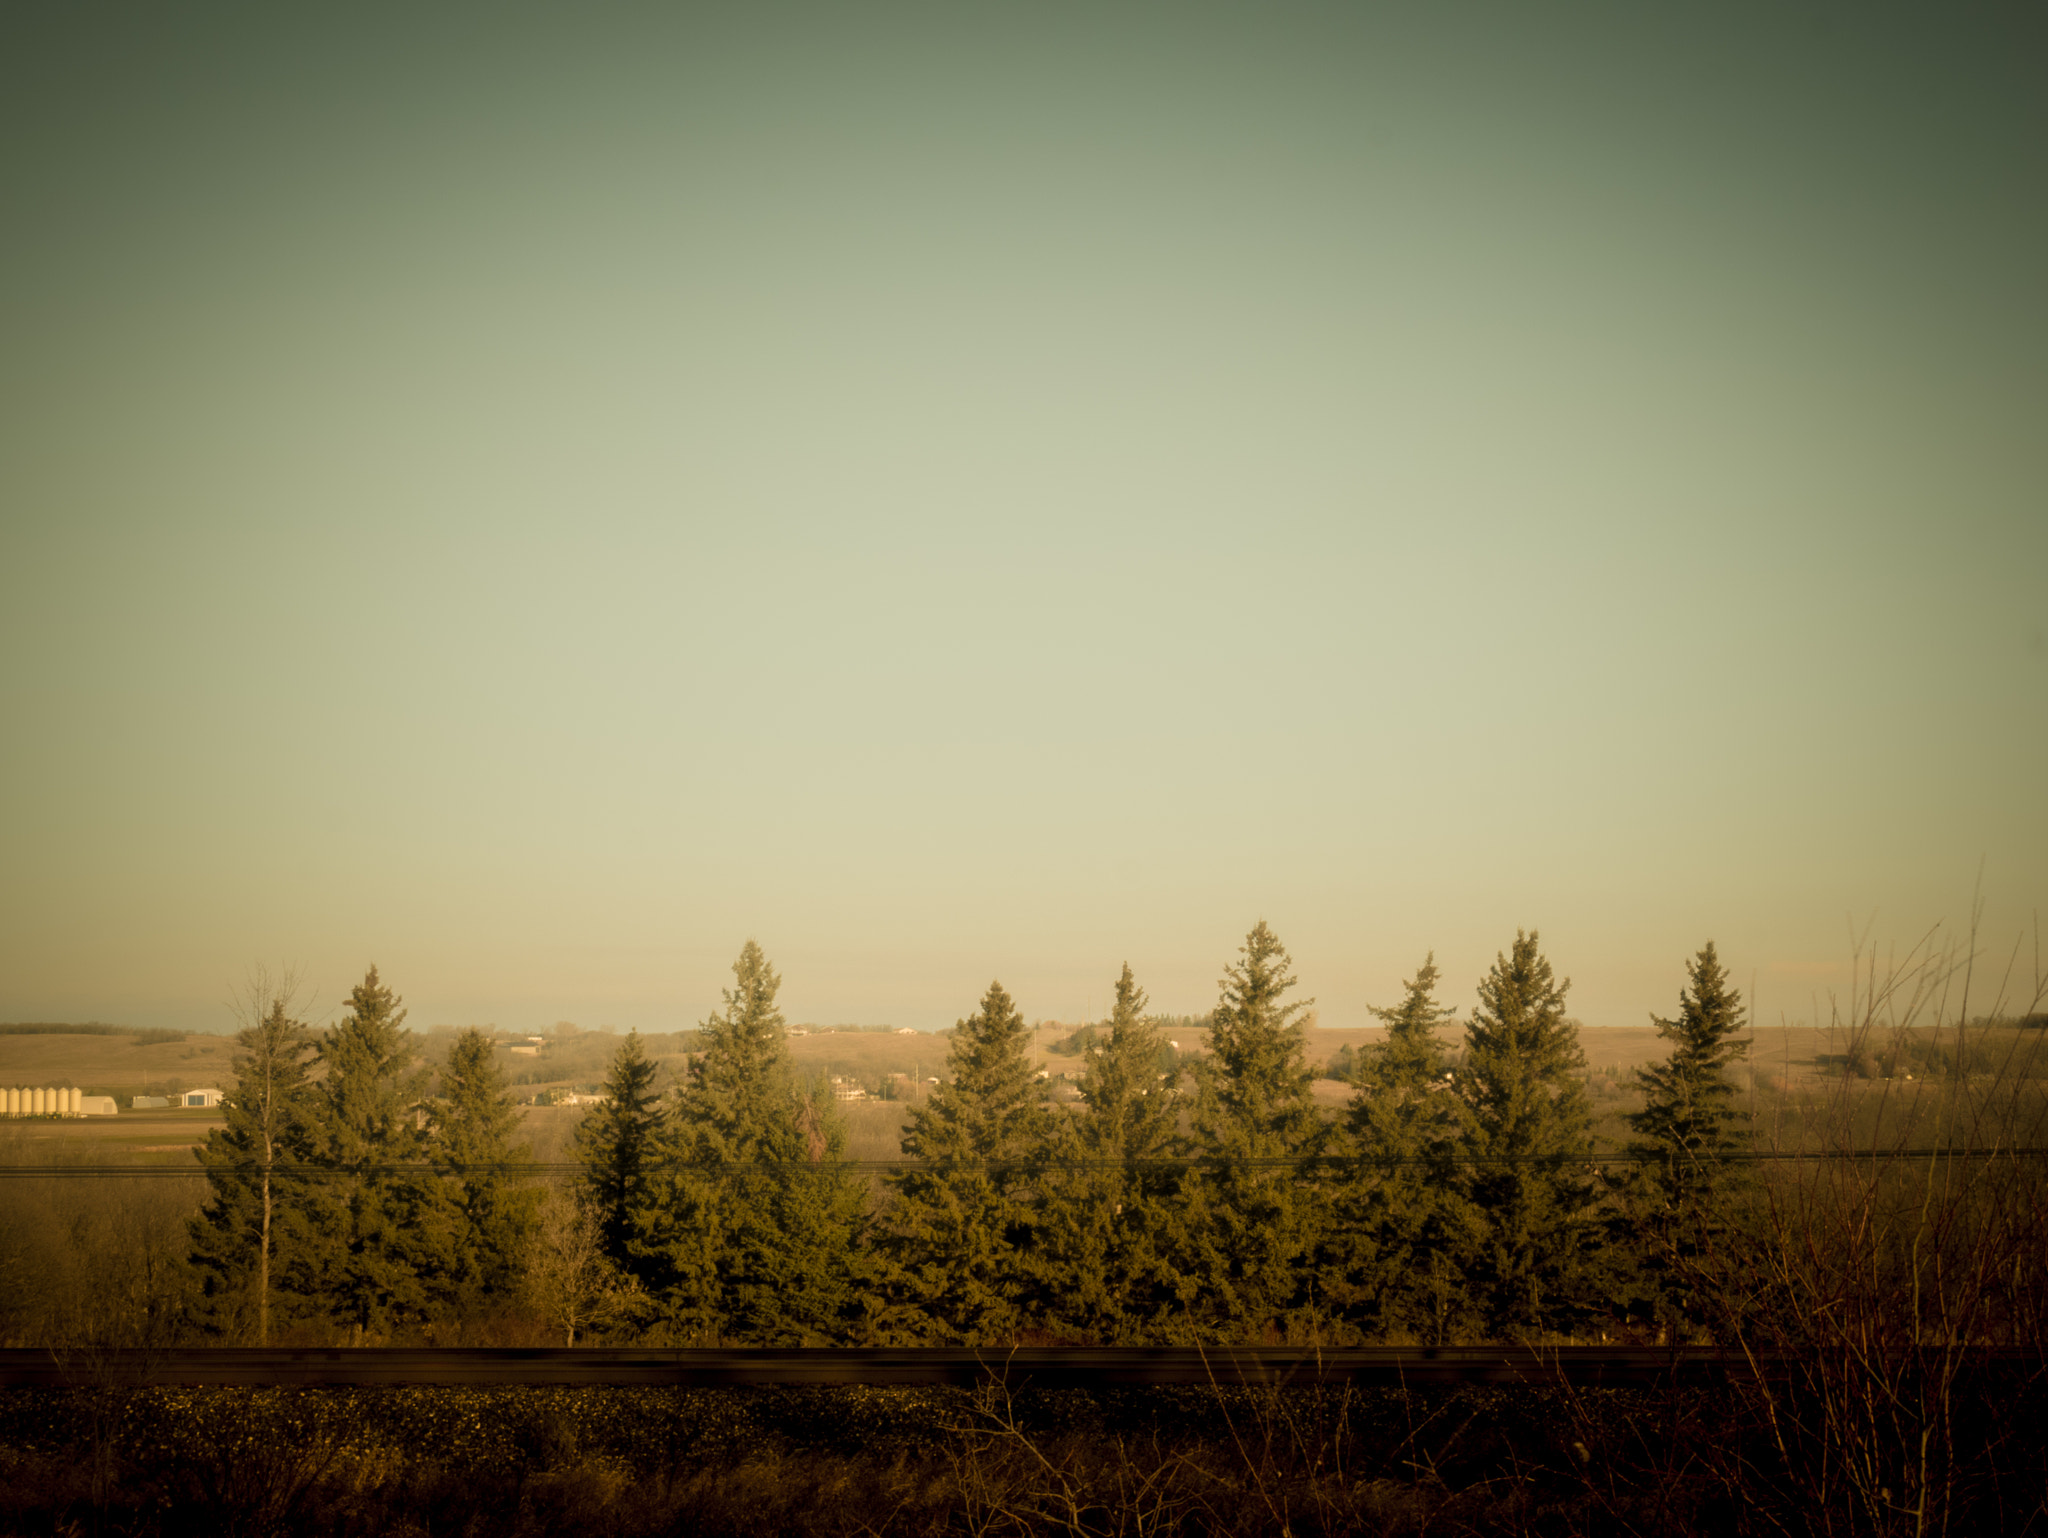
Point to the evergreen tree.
(1529, 1134)
(615, 1142)
(1257, 1128)
(472, 1128)
(1112, 1246)
(389, 1229)
(1399, 1234)
(753, 1224)
(962, 1222)
(806, 1275)
(255, 1208)
(1685, 1130)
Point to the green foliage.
(1399, 1232)
(254, 1210)
(1076, 1042)
(615, 1142)
(1529, 1129)
(1683, 1135)
(961, 1225)
(1685, 1127)
(472, 1126)
(1259, 1208)
(1112, 1245)
(752, 1233)
(386, 1250)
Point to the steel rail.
(1367, 1366)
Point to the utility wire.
(1305, 1166)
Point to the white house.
(200, 1097)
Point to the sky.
(530, 499)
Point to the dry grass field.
(123, 1065)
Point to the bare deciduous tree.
(268, 1124)
(569, 1278)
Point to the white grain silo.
(14, 1102)
(74, 1101)
(37, 1101)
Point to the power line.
(1306, 1166)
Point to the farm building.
(44, 1101)
(200, 1097)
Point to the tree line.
(1201, 1200)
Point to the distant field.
(116, 1065)
(1789, 1058)
(141, 1137)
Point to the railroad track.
(1391, 1366)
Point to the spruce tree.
(615, 1141)
(752, 1225)
(1685, 1130)
(1398, 1237)
(1257, 1129)
(388, 1227)
(1529, 1136)
(471, 1133)
(1111, 1250)
(805, 1275)
(962, 1221)
(255, 1208)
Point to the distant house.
(905, 1030)
(194, 1098)
(526, 1051)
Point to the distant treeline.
(145, 1035)
(1076, 1042)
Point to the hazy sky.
(952, 492)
